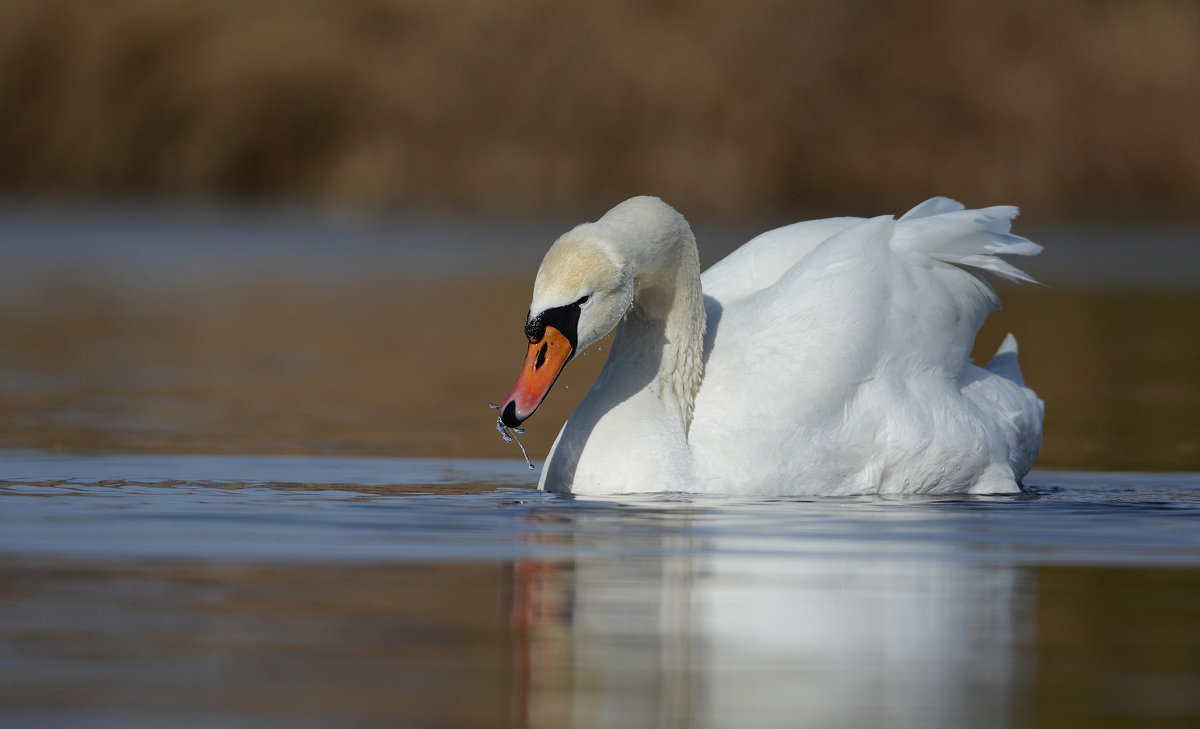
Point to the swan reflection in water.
(714, 631)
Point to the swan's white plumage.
(826, 357)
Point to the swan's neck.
(662, 336)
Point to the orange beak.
(543, 363)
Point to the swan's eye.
(582, 301)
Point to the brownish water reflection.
(220, 644)
(407, 368)
(1118, 647)
(669, 641)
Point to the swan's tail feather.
(1018, 411)
(943, 230)
(933, 206)
(1004, 361)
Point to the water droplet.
(509, 434)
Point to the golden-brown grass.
(533, 105)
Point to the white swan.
(825, 357)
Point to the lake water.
(154, 590)
(248, 477)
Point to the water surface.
(264, 591)
(165, 562)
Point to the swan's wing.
(813, 330)
(905, 289)
(864, 339)
(759, 263)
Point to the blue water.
(258, 508)
(154, 590)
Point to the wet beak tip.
(508, 415)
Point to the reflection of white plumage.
(826, 357)
(747, 613)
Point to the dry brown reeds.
(531, 105)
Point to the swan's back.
(839, 359)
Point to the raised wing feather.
(862, 342)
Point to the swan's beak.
(543, 363)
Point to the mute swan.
(824, 357)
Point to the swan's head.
(582, 290)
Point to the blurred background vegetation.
(1072, 107)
